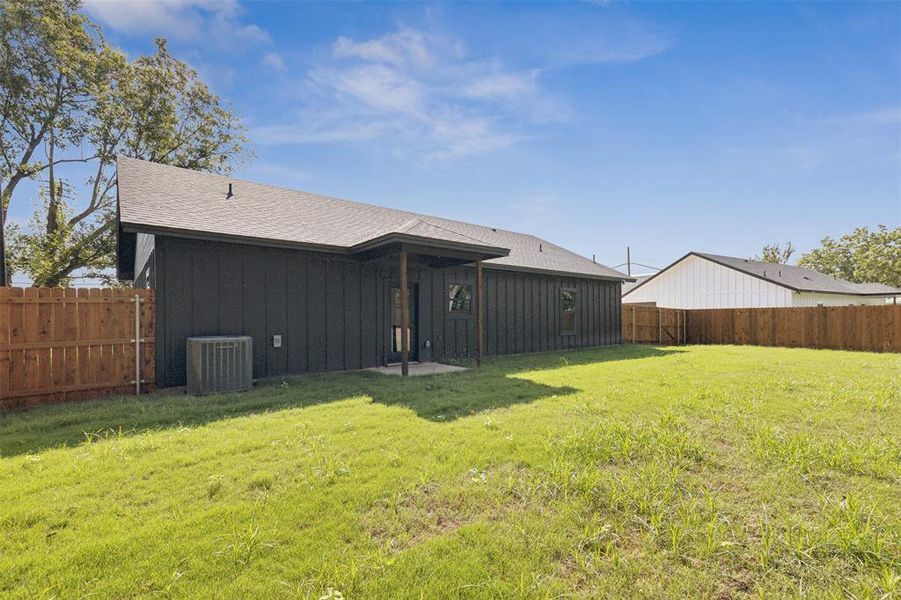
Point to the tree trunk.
(4, 281)
(53, 204)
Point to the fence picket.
(869, 328)
(68, 344)
(4, 342)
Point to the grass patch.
(703, 471)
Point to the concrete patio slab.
(417, 369)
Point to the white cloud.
(502, 85)
(274, 60)
(422, 95)
(215, 20)
(619, 47)
(596, 38)
(455, 133)
(416, 94)
(314, 126)
(374, 86)
(404, 47)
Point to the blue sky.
(665, 127)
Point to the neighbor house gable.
(697, 282)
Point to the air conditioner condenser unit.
(219, 364)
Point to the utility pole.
(628, 261)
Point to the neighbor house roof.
(161, 199)
(876, 289)
(639, 279)
(795, 278)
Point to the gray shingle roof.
(793, 277)
(876, 288)
(639, 279)
(161, 198)
(798, 278)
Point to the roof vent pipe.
(540, 247)
(230, 194)
(593, 258)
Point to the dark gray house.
(328, 276)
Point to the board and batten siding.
(696, 282)
(333, 312)
(144, 259)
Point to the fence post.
(821, 330)
(633, 323)
(659, 326)
(772, 314)
(137, 345)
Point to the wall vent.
(219, 364)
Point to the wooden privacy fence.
(650, 325)
(869, 328)
(61, 344)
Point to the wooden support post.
(480, 335)
(404, 317)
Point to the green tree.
(50, 60)
(775, 253)
(862, 256)
(155, 108)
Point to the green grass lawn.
(711, 470)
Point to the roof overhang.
(863, 294)
(573, 274)
(433, 251)
(881, 294)
(212, 236)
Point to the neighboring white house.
(699, 280)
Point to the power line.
(638, 264)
